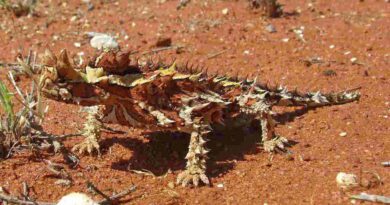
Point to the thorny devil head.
(168, 97)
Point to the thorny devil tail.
(315, 99)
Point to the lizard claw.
(87, 146)
(276, 144)
(186, 178)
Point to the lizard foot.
(276, 144)
(87, 146)
(187, 177)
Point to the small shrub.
(270, 8)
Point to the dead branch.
(213, 55)
(15, 200)
(119, 195)
(373, 198)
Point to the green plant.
(17, 127)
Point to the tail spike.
(49, 59)
(64, 59)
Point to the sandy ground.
(351, 39)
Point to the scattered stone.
(220, 185)
(77, 44)
(299, 33)
(346, 181)
(343, 134)
(332, 46)
(182, 4)
(73, 18)
(225, 11)
(329, 72)
(386, 164)
(171, 185)
(270, 28)
(63, 182)
(353, 60)
(163, 42)
(285, 40)
(90, 6)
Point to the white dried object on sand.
(102, 41)
(76, 199)
(346, 181)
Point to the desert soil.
(350, 39)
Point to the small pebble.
(77, 44)
(220, 185)
(73, 18)
(163, 42)
(386, 164)
(331, 46)
(343, 134)
(285, 40)
(225, 11)
(270, 28)
(171, 185)
(353, 60)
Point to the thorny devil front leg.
(196, 158)
(261, 110)
(91, 131)
(271, 141)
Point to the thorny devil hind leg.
(271, 142)
(91, 131)
(196, 158)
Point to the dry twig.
(373, 198)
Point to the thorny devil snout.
(169, 98)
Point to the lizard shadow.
(163, 151)
(285, 117)
(166, 151)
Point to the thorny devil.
(169, 98)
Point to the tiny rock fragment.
(225, 11)
(76, 199)
(73, 18)
(270, 28)
(220, 185)
(386, 164)
(171, 185)
(63, 182)
(285, 40)
(163, 42)
(77, 44)
(182, 4)
(346, 181)
(353, 60)
(331, 46)
(343, 134)
(329, 72)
